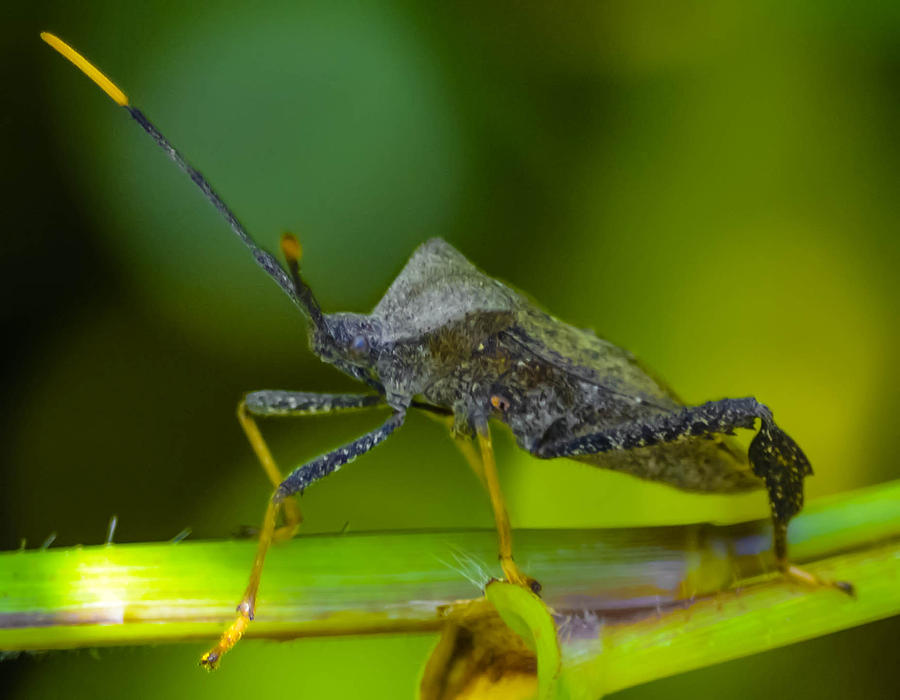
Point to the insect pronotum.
(449, 340)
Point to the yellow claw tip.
(86, 67)
(209, 661)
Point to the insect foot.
(210, 660)
(513, 574)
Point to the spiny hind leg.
(504, 533)
(295, 482)
(774, 457)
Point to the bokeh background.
(712, 185)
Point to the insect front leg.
(295, 482)
(774, 457)
(290, 404)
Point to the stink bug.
(449, 340)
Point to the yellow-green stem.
(651, 597)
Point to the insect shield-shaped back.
(434, 318)
(428, 325)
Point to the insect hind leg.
(774, 457)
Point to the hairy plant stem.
(632, 604)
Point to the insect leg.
(290, 403)
(484, 466)
(774, 457)
(295, 482)
(302, 403)
(501, 518)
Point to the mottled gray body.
(448, 333)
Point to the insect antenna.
(292, 285)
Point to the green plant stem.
(647, 601)
(734, 624)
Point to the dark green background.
(712, 185)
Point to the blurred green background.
(713, 186)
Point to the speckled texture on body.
(448, 336)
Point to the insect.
(449, 340)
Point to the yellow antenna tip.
(290, 247)
(86, 67)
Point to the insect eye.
(359, 345)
